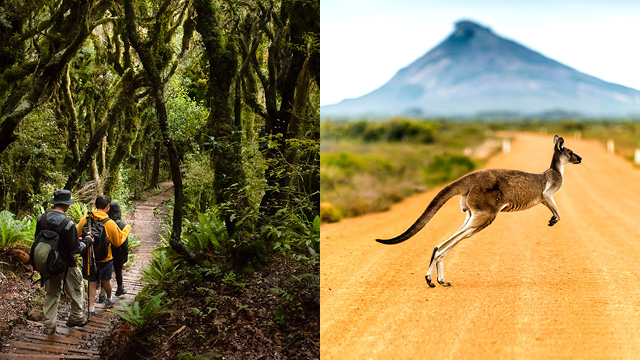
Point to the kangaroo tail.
(451, 190)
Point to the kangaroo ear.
(558, 141)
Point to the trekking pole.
(90, 256)
(88, 271)
(88, 310)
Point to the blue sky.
(364, 43)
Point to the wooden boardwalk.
(28, 342)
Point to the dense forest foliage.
(220, 97)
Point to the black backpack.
(45, 255)
(100, 242)
(121, 253)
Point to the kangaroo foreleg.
(551, 205)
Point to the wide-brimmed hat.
(62, 197)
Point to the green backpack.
(45, 255)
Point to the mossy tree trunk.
(294, 30)
(223, 129)
(72, 127)
(150, 62)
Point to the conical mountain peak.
(467, 29)
(474, 71)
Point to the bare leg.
(106, 285)
(92, 294)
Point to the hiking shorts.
(103, 272)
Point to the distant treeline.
(393, 130)
(406, 130)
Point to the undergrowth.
(13, 231)
(363, 173)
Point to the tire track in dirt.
(520, 289)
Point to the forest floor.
(19, 299)
(521, 289)
(272, 313)
(232, 321)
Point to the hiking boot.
(49, 331)
(101, 299)
(79, 323)
(110, 302)
(121, 292)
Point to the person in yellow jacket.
(105, 233)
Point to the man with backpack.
(98, 259)
(52, 256)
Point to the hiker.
(120, 254)
(68, 244)
(98, 260)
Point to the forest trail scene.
(28, 342)
(520, 289)
(107, 102)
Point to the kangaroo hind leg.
(473, 224)
(440, 263)
(437, 252)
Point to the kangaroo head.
(565, 154)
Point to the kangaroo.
(485, 193)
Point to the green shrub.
(208, 235)
(161, 267)
(185, 116)
(77, 211)
(139, 317)
(404, 129)
(31, 168)
(13, 231)
(446, 168)
(133, 241)
(198, 182)
(355, 163)
(296, 232)
(329, 213)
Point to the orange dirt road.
(521, 289)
